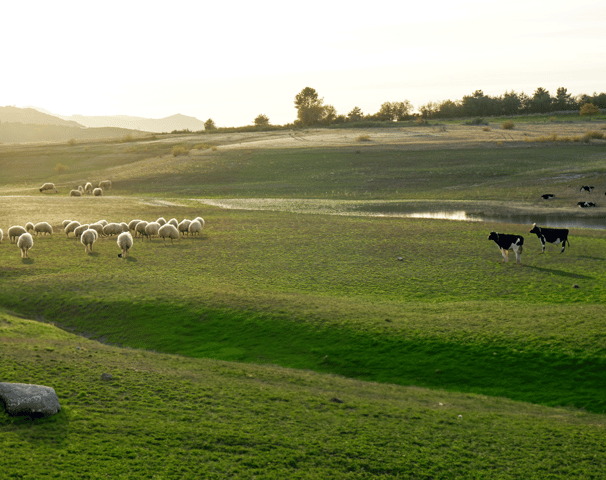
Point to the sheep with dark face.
(125, 242)
(25, 242)
(48, 186)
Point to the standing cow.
(551, 235)
(507, 242)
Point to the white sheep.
(201, 220)
(98, 192)
(75, 193)
(97, 227)
(168, 231)
(1, 235)
(78, 231)
(15, 232)
(102, 222)
(140, 228)
(132, 224)
(112, 229)
(29, 227)
(161, 221)
(125, 242)
(81, 189)
(88, 188)
(151, 229)
(183, 226)
(194, 228)
(43, 227)
(48, 186)
(65, 223)
(124, 227)
(105, 184)
(71, 227)
(25, 242)
(88, 237)
(174, 221)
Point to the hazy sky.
(233, 60)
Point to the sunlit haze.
(231, 61)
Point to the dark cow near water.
(507, 242)
(551, 235)
(547, 196)
(586, 188)
(586, 204)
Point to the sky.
(233, 60)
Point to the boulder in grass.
(26, 399)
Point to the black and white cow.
(586, 204)
(551, 235)
(547, 196)
(586, 188)
(507, 242)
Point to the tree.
(209, 124)
(511, 103)
(563, 100)
(541, 101)
(355, 115)
(589, 109)
(310, 108)
(262, 120)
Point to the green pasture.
(396, 305)
(168, 416)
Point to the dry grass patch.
(363, 138)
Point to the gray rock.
(106, 376)
(26, 399)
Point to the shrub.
(421, 121)
(202, 146)
(508, 125)
(127, 138)
(594, 134)
(476, 121)
(180, 150)
(589, 109)
(71, 142)
(486, 129)
(363, 138)
(60, 168)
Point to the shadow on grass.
(560, 272)
(39, 430)
(27, 261)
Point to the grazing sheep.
(71, 227)
(175, 222)
(1, 235)
(183, 226)
(29, 226)
(124, 227)
(112, 229)
(132, 224)
(125, 242)
(102, 222)
(151, 229)
(78, 231)
(14, 232)
(48, 186)
(97, 227)
(194, 228)
(140, 228)
(43, 227)
(25, 242)
(98, 192)
(65, 223)
(105, 184)
(88, 237)
(168, 231)
(88, 188)
(75, 193)
(161, 221)
(81, 189)
(201, 220)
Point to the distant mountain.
(159, 125)
(33, 116)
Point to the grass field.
(399, 301)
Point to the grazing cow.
(586, 204)
(507, 242)
(551, 235)
(547, 196)
(586, 188)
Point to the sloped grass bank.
(166, 416)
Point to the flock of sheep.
(81, 190)
(90, 233)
